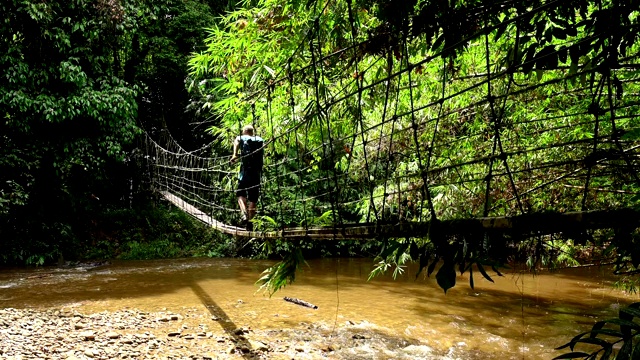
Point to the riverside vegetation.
(74, 178)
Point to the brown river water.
(520, 316)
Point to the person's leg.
(253, 194)
(242, 195)
(244, 212)
(251, 210)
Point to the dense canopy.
(429, 111)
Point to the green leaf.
(595, 332)
(624, 323)
(562, 54)
(494, 268)
(572, 355)
(635, 355)
(634, 134)
(575, 52)
(528, 63)
(432, 267)
(625, 350)
(595, 341)
(414, 251)
(389, 249)
(501, 29)
(401, 251)
(483, 272)
(573, 341)
(559, 33)
(573, 68)
(269, 219)
(270, 71)
(632, 312)
(446, 276)
(547, 58)
(438, 42)
(540, 26)
(424, 261)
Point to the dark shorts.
(249, 187)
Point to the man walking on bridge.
(250, 149)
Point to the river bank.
(189, 334)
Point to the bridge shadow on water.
(229, 327)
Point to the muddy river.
(520, 316)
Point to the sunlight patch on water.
(8, 285)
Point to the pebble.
(257, 345)
(88, 335)
(132, 334)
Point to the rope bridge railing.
(394, 143)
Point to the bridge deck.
(527, 224)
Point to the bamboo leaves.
(605, 335)
(281, 274)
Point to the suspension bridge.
(406, 145)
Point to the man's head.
(248, 130)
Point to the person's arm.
(236, 145)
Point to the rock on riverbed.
(135, 334)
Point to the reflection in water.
(520, 315)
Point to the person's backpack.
(251, 150)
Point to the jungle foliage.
(153, 232)
(83, 80)
(113, 68)
(80, 80)
(324, 73)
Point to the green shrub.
(155, 232)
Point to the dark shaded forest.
(83, 81)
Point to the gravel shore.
(189, 334)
